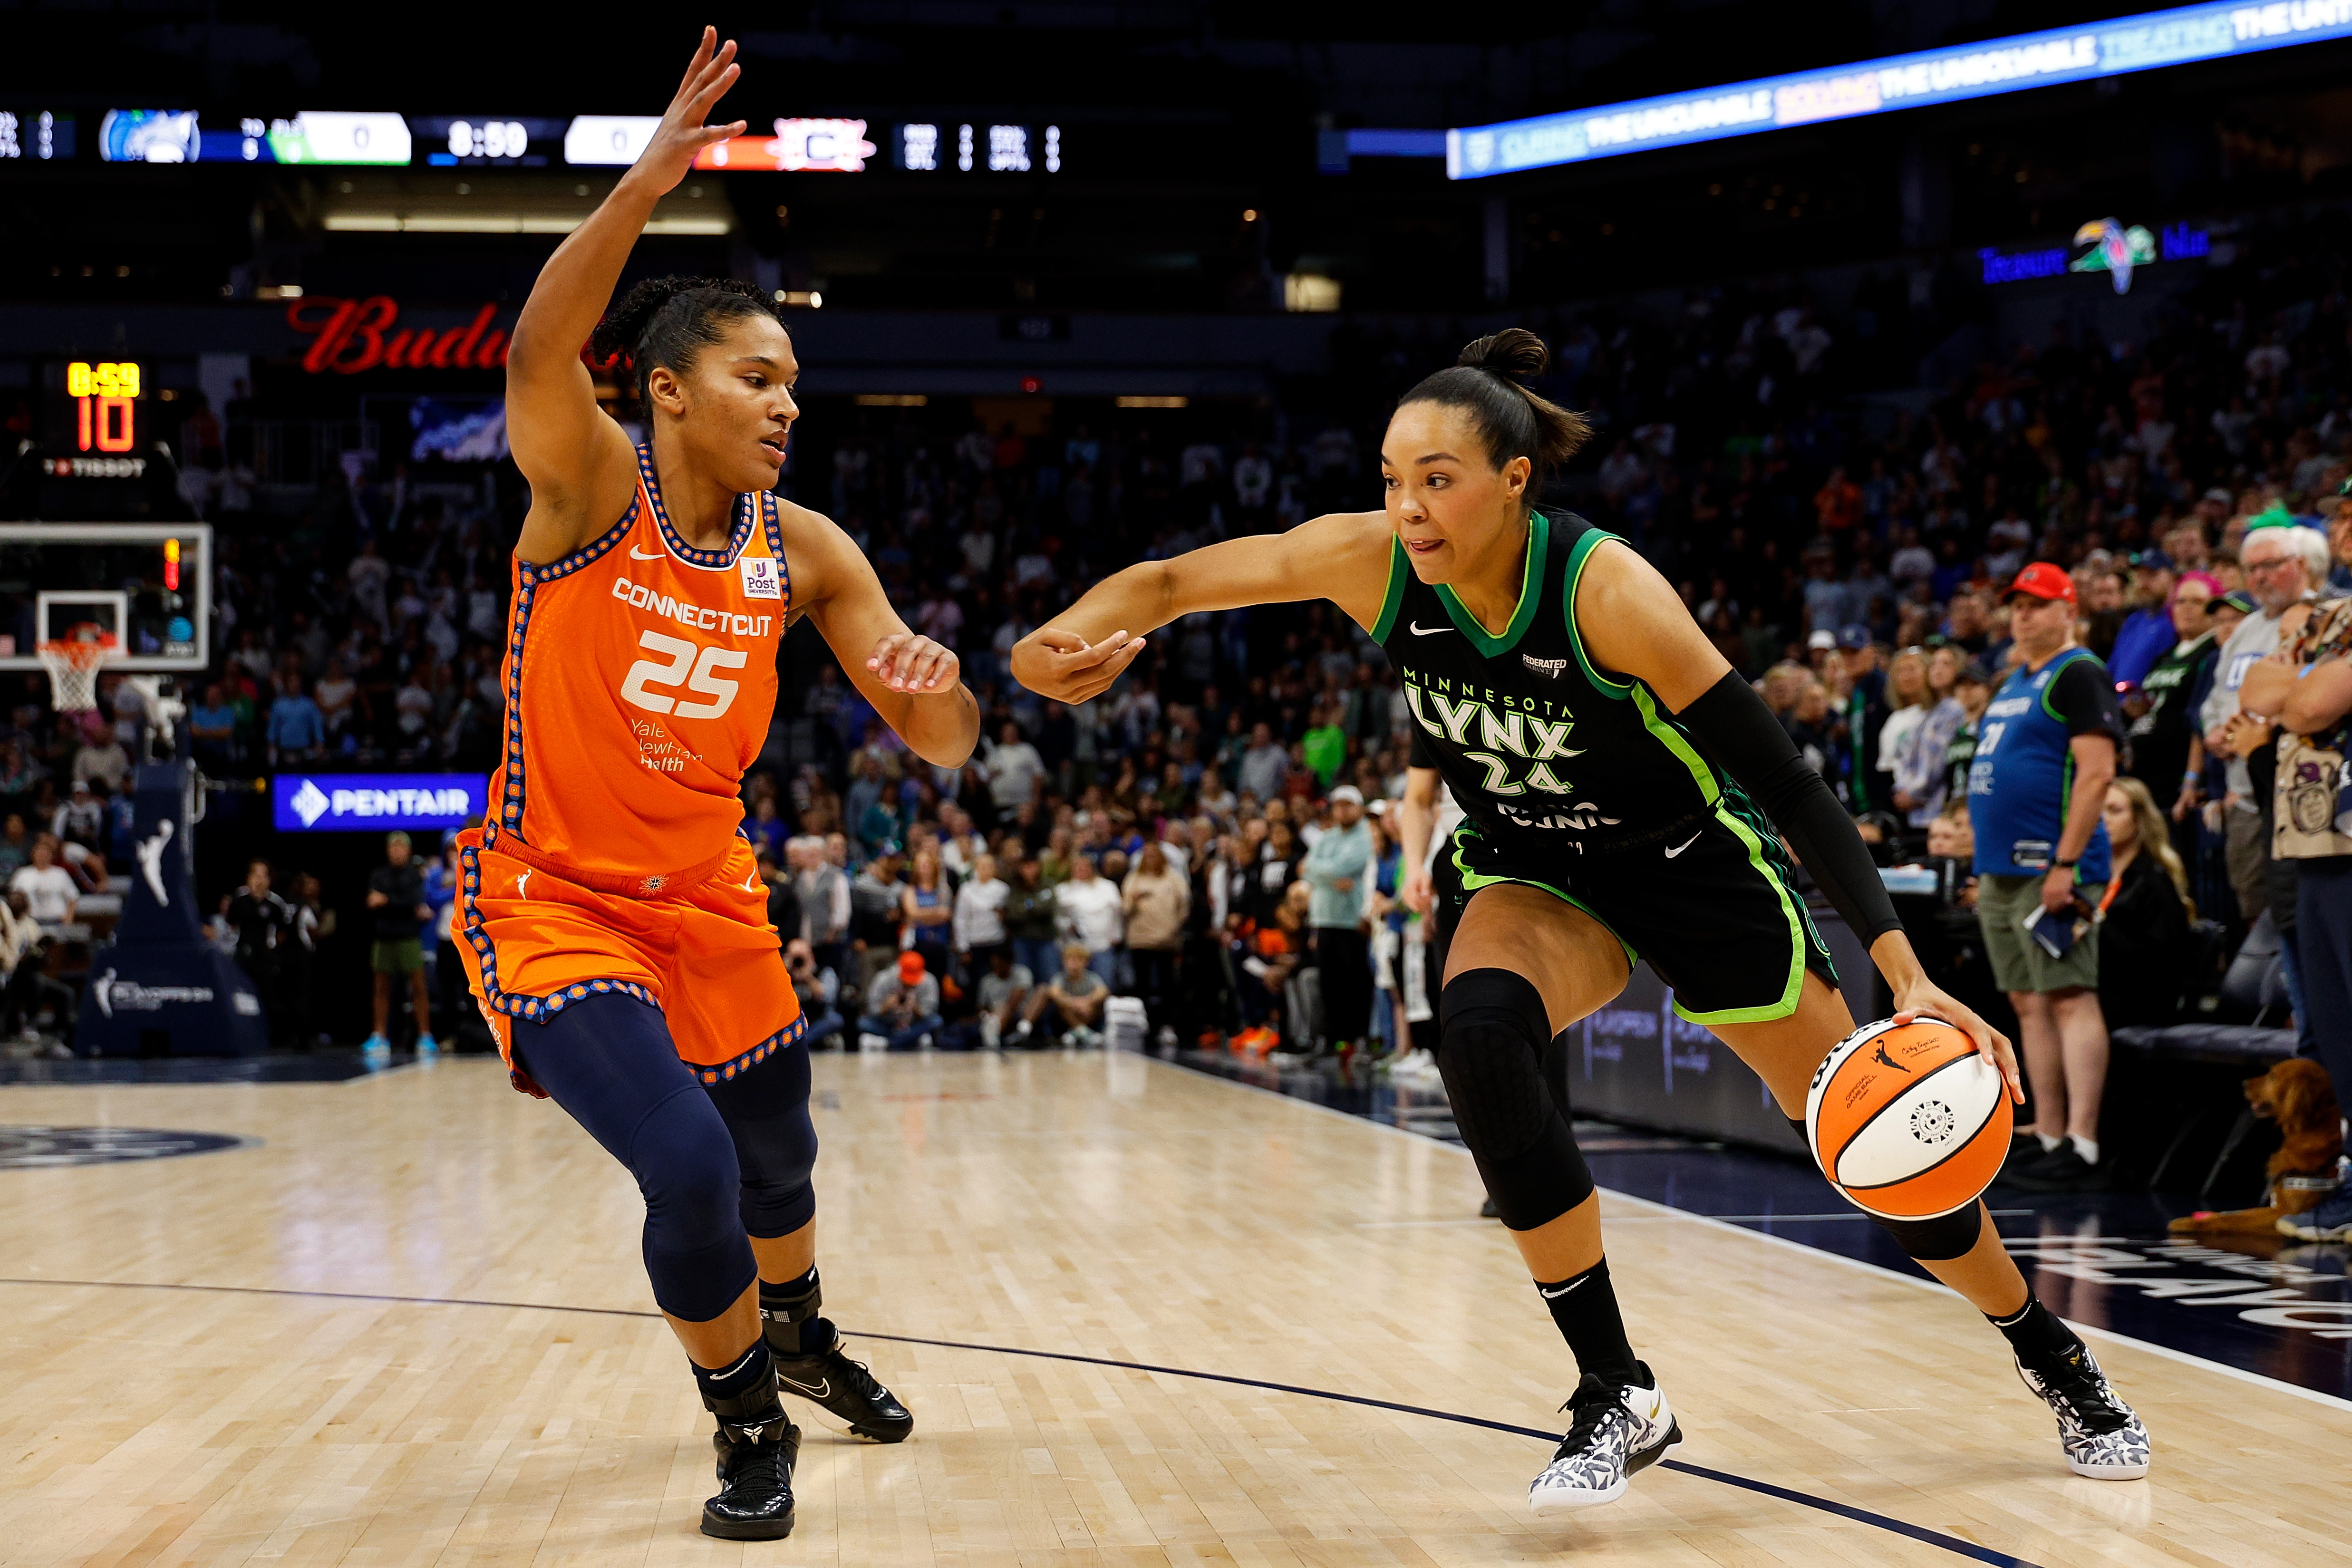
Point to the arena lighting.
(2086, 53)
(506, 223)
(891, 400)
(1154, 402)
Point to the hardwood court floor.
(423, 1336)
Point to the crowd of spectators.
(1210, 839)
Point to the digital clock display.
(35, 135)
(476, 141)
(106, 397)
(972, 146)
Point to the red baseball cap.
(911, 968)
(2043, 580)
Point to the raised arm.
(1632, 624)
(1343, 557)
(579, 462)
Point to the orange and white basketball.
(1907, 1120)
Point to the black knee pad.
(1493, 1036)
(1937, 1240)
(767, 1115)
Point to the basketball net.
(73, 662)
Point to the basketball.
(1907, 1120)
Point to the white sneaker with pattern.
(1618, 1430)
(2102, 1436)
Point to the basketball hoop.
(73, 662)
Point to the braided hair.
(1488, 381)
(670, 321)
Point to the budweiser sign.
(349, 336)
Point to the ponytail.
(669, 321)
(1489, 381)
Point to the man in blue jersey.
(2044, 756)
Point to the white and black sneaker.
(2101, 1435)
(1616, 1429)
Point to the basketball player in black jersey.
(1626, 795)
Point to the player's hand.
(1062, 665)
(682, 135)
(915, 664)
(1924, 999)
(1419, 892)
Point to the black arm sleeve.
(1732, 723)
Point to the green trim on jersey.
(1474, 880)
(1579, 555)
(1531, 595)
(1669, 735)
(1394, 595)
(1799, 928)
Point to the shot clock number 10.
(103, 395)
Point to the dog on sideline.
(2297, 1095)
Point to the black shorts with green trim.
(1709, 904)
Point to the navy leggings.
(717, 1163)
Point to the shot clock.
(106, 395)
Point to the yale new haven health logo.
(343, 803)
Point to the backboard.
(150, 584)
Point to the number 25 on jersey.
(686, 662)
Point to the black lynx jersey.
(1544, 751)
(1581, 785)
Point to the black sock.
(788, 1314)
(2035, 1332)
(1585, 1308)
(738, 1378)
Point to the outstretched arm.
(1343, 557)
(579, 463)
(1635, 625)
(912, 681)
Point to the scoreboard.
(106, 397)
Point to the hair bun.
(1515, 354)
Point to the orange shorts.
(533, 943)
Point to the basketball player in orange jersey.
(615, 927)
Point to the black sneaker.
(2064, 1170)
(843, 1389)
(755, 1478)
(1489, 1211)
(2025, 1152)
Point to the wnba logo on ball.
(1909, 1120)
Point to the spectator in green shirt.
(1326, 745)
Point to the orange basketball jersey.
(640, 676)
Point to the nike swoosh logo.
(824, 1387)
(1417, 629)
(1684, 845)
(636, 554)
(1556, 1295)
